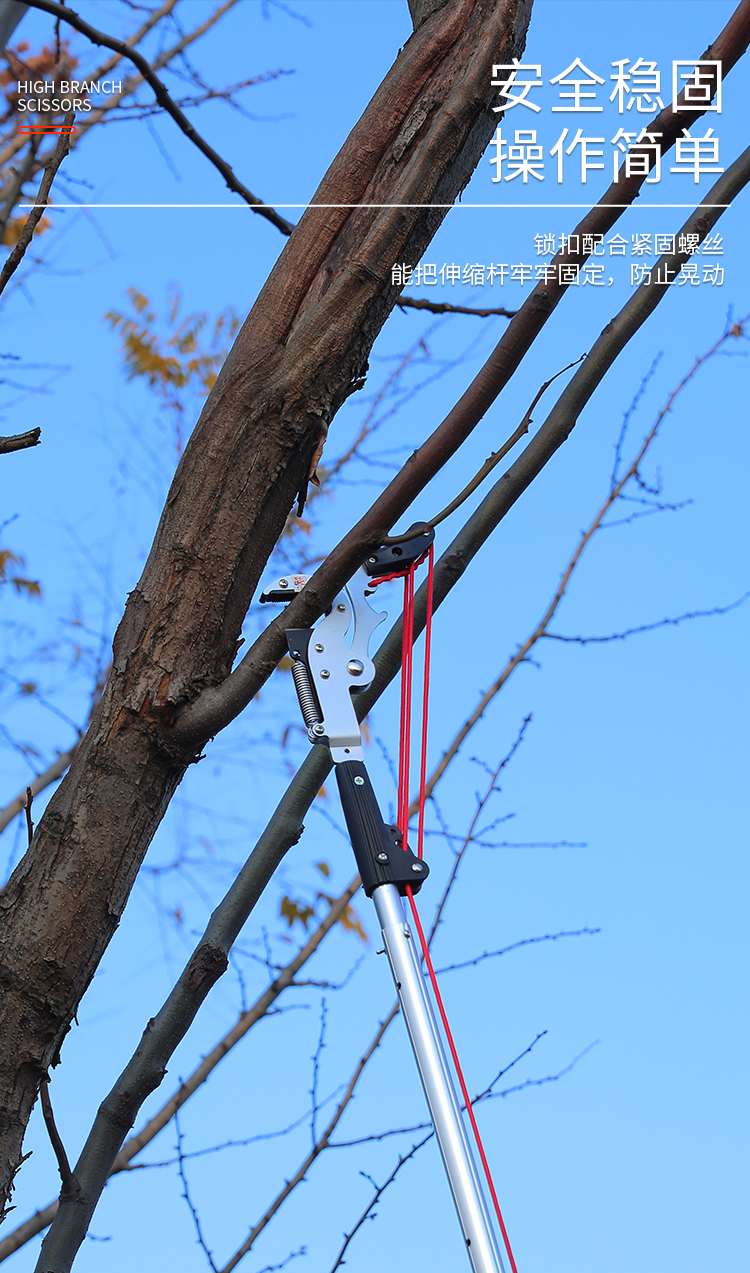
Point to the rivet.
(341, 607)
(318, 648)
(355, 668)
(416, 866)
(324, 674)
(283, 583)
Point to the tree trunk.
(301, 352)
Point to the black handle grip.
(379, 851)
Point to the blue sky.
(637, 749)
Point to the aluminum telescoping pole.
(444, 1107)
(326, 670)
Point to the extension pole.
(444, 1107)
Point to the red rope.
(403, 823)
(425, 701)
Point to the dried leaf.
(296, 912)
(30, 586)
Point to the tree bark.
(301, 352)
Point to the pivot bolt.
(359, 781)
(383, 857)
(416, 866)
(355, 667)
(319, 730)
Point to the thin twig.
(673, 622)
(443, 307)
(66, 1175)
(516, 945)
(367, 1214)
(488, 465)
(29, 823)
(314, 1106)
(186, 1195)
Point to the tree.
(302, 351)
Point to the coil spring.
(305, 694)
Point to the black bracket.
(396, 557)
(378, 848)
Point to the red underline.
(47, 128)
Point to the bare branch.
(443, 307)
(489, 464)
(20, 441)
(19, 179)
(367, 1214)
(165, 101)
(488, 1094)
(516, 945)
(186, 1195)
(29, 823)
(314, 1106)
(165, 58)
(648, 627)
(70, 1186)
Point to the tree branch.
(443, 307)
(379, 1190)
(73, 19)
(66, 1175)
(20, 441)
(670, 622)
